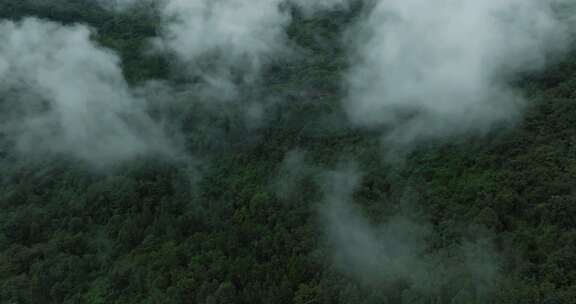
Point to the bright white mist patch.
(242, 34)
(227, 42)
(64, 94)
(429, 69)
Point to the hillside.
(276, 196)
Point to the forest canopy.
(287, 151)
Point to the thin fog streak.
(398, 249)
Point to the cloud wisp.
(430, 69)
(399, 250)
(62, 93)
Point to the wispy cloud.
(62, 93)
(429, 69)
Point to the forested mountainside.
(260, 186)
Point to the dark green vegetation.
(154, 232)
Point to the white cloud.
(65, 94)
(428, 69)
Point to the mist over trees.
(287, 151)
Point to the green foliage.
(150, 232)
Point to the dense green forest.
(242, 222)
